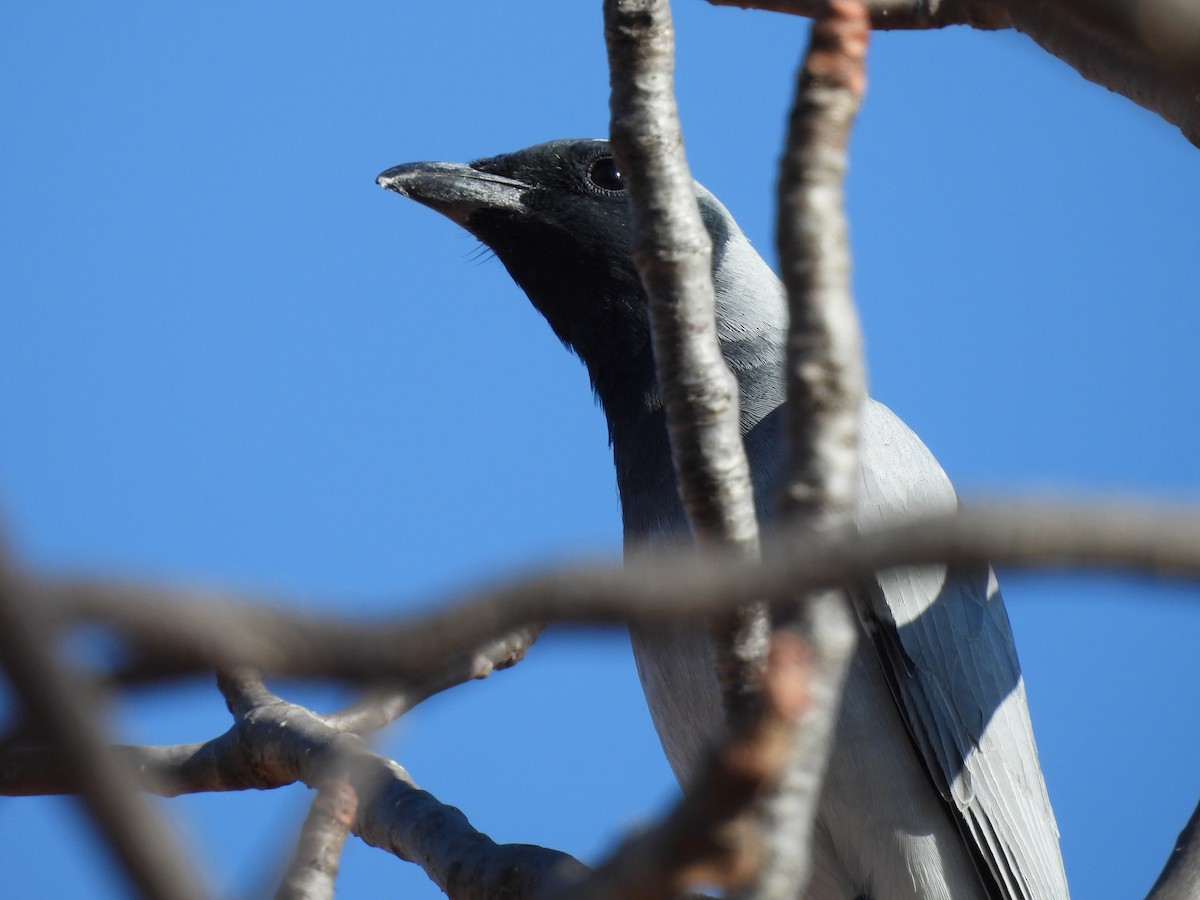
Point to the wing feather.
(946, 647)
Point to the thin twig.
(386, 706)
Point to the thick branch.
(1113, 52)
(274, 743)
(673, 253)
(211, 630)
(292, 743)
(1146, 50)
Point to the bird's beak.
(454, 190)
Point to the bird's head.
(557, 217)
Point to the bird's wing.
(946, 647)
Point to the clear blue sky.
(230, 358)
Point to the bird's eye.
(604, 175)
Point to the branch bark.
(1180, 878)
(1146, 50)
(826, 390)
(673, 254)
(385, 707)
(212, 630)
(57, 706)
(314, 868)
(275, 743)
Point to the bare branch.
(826, 391)
(56, 705)
(290, 743)
(1111, 49)
(1180, 878)
(222, 764)
(891, 15)
(212, 630)
(1146, 50)
(314, 869)
(673, 253)
(274, 743)
(826, 381)
(384, 707)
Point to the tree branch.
(314, 868)
(897, 15)
(1146, 50)
(673, 253)
(274, 743)
(826, 391)
(826, 384)
(384, 707)
(210, 630)
(59, 707)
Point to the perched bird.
(933, 789)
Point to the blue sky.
(230, 358)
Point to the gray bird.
(934, 789)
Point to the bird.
(933, 790)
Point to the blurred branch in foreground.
(196, 630)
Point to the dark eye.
(604, 175)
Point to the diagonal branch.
(1146, 50)
(274, 743)
(56, 705)
(383, 707)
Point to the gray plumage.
(934, 790)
